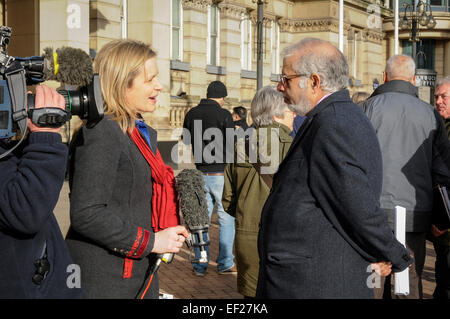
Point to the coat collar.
(339, 96)
(397, 86)
(209, 102)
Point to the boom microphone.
(69, 66)
(192, 196)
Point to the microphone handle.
(166, 258)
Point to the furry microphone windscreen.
(191, 192)
(69, 65)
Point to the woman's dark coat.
(110, 210)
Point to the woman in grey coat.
(113, 235)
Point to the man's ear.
(385, 79)
(315, 81)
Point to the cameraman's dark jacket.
(30, 182)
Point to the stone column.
(105, 23)
(195, 34)
(23, 18)
(230, 48)
(447, 58)
(64, 23)
(149, 22)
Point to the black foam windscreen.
(192, 195)
(73, 66)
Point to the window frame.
(180, 32)
(209, 36)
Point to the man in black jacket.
(35, 262)
(409, 132)
(208, 124)
(322, 230)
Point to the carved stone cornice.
(201, 5)
(372, 36)
(232, 10)
(310, 25)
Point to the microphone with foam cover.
(68, 65)
(194, 210)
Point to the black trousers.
(442, 272)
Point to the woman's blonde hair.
(118, 63)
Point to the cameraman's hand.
(46, 97)
(170, 240)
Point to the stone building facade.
(199, 41)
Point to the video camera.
(16, 73)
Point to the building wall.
(40, 23)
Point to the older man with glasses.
(442, 98)
(322, 231)
(441, 237)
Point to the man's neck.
(218, 101)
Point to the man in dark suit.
(322, 231)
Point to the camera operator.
(34, 257)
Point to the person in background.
(441, 240)
(123, 208)
(246, 189)
(359, 97)
(409, 131)
(210, 116)
(442, 98)
(240, 117)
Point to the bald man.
(408, 130)
(322, 231)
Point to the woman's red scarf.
(164, 198)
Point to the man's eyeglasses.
(285, 78)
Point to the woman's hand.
(170, 240)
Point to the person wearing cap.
(207, 124)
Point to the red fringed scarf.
(164, 197)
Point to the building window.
(425, 52)
(176, 26)
(246, 42)
(436, 5)
(440, 5)
(275, 42)
(213, 41)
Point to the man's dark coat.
(322, 226)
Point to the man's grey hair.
(331, 68)
(400, 65)
(445, 80)
(266, 104)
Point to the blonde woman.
(121, 191)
